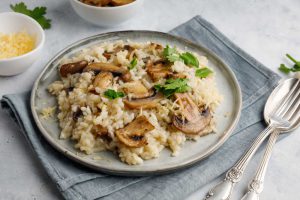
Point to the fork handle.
(223, 190)
(255, 187)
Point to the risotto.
(135, 99)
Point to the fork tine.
(296, 117)
(294, 108)
(289, 100)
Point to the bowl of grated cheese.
(21, 42)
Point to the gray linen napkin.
(77, 182)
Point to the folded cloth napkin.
(77, 182)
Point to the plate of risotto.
(136, 102)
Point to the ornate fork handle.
(223, 190)
(256, 185)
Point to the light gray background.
(266, 29)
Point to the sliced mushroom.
(146, 59)
(72, 68)
(144, 103)
(121, 2)
(105, 67)
(177, 75)
(102, 132)
(107, 55)
(133, 135)
(157, 70)
(156, 46)
(128, 47)
(103, 80)
(126, 77)
(137, 90)
(192, 119)
(99, 130)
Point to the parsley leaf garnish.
(189, 59)
(173, 86)
(296, 68)
(169, 51)
(37, 14)
(283, 68)
(174, 57)
(112, 94)
(133, 63)
(171, 54)
(203, 72)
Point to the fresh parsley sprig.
(173, 86)
(203, 72)
(173, 55)
(189, 59)
(296, 68)
(112, 94)
(37, 14)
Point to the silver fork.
(280, 115)
(255, 186)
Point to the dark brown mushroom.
(72, 68)
(144, 103)
(192, 120)
(102, 132)
(107, 55)
(105, 67)
(158, 70)
(103, 80)
(133, 134)
(78, 113)
(99, 130)
(156, 46)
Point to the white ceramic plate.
(191, 153)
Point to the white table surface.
(265, 29)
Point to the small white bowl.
(11, 22)
(106, 16)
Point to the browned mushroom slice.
(157, 70)
(105, 67)
(177, 75)
(192, 120)
(103, 80)
(126, 77)
(156, 46)
(99, 130)
(102, 132)
(137, 90)
(107, 55)
(72, 68)
(121, 2)
(133, 135)
(144, 103)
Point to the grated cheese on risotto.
(15, 44)
(48, 112)
(134, 100)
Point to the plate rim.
(226, 134)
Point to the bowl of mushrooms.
(106, 12)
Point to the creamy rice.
(82, 106)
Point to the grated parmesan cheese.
(48, 112)
(15, 44)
